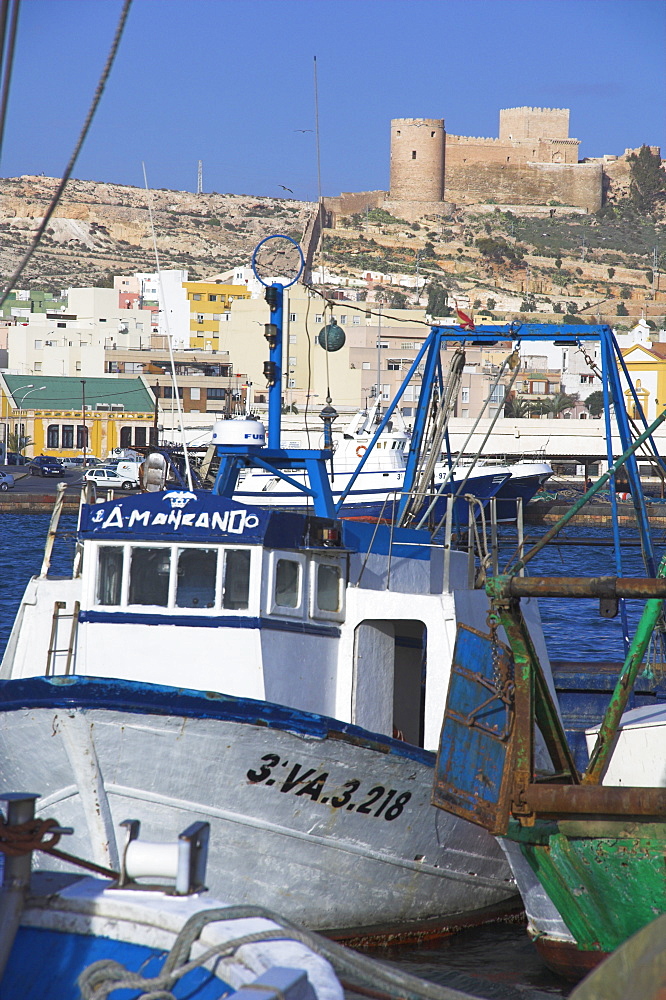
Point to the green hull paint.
(605, 887)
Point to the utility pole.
(379, 363)
(155, 442)
(200, 178)
(83, 414)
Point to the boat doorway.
(389, 679)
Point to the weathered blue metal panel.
(474, 761)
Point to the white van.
(129, 471)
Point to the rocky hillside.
(100, 228)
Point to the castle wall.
(533, 123)
(469, 149)
(534, 184)
(417, 159)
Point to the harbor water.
(497, 961)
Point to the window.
(366, 366)
(195, 392)
(356, 320)
(167, 392)
(328, 587)
(215, 393)
(217, 315)
(287, 583)
(464, 395)
(200, 317)
(82, 437)
(78, 366)
(212, 298)
(53, 436)
(497, 395)
(140, 437)
(413, 154)
(394, 366)
(236, 581)
(293, 317)
(125, 437)
(149, 576)
(38, 366)
(196, 296)
(68, 435)
(292, 361)
(61, 324)
(197, 569)
(319, 318)
(102, 320)
(139, 327)
(343, 319)
(109, 574)
(291, 383)
(38, 345)
(292, 338)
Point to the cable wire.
(9, 60)
(77, 149)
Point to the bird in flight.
(302, 130)
(285, 188)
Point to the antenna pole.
(200, 178)
(320, 207)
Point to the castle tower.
(533, 123)
(417, 159)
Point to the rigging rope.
(72, 161)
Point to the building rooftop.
(62, 392)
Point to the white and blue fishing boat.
(278, 674)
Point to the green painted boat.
(589, 858)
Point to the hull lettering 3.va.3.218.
(378, 801)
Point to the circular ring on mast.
(278, 259)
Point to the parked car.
(6, 481)
(45, 465)
(77, 462)
(13, 458)
(109, 478)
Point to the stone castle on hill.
(532, 162)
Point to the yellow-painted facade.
(208, 302)
(647, 368)
(105, 431)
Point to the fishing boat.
(586, 849)
(150, 927)
(279, 674)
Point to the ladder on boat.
(53, 650)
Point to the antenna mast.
(200, 177)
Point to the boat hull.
(323, 822)
(587, 886)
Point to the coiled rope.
(102, 978)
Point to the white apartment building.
(73, 342)
(164, 292)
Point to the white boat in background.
(379, 485)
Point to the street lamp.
(29, 389)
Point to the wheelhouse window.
(149, 576)
(197, 570)
(287, 583)
(109, 574)
(236, 583)
(328, 587)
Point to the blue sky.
(231, 82)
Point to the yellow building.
(61, 416)
(209, 303)
(646, 365)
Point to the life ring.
(360, 450)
